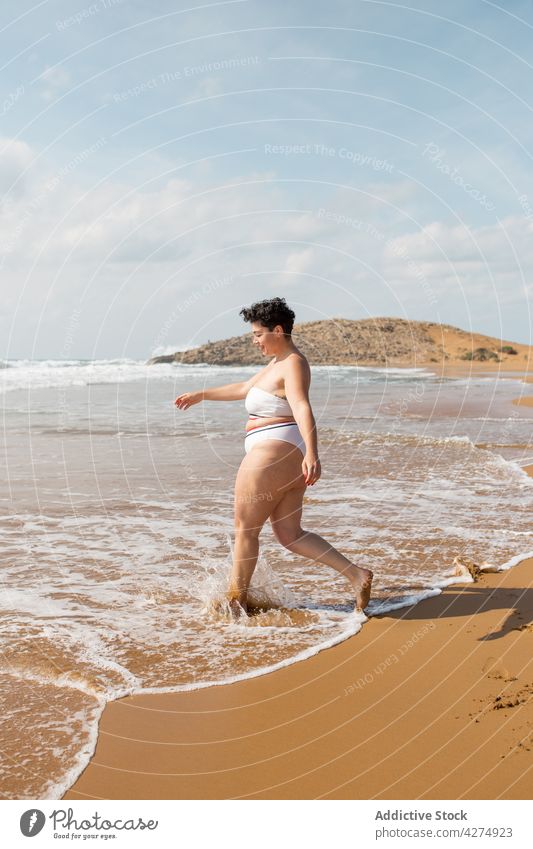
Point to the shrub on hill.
(480, 354)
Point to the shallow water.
(117, 532)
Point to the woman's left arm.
(297, 382)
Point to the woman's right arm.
(229, 392)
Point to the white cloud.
(299, 262)
(207, 88)
(484, 251)
(54, 80)
(15, 157)
(136, 254)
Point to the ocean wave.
(362, 436)
(49, 374)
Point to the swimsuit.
(261, 404)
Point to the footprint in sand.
(494, 669)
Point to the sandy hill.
(370, 341)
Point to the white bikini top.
(259, 402)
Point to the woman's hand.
(311, 469)
(183, 402)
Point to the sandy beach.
(432, 701)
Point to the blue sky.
(161, 167)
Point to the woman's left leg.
(286, 524)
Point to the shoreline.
(246, 735)
(416, 694)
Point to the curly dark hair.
(270, 313)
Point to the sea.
(116, 516)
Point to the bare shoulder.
(296, 365)
(297, 362)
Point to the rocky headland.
(385, 342)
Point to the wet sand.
(460, 370)
(457, 369)
(434, 701)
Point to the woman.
(281, 457)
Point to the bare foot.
(361, 581)
(227, 607)
(237, 609)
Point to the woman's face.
(263, 338)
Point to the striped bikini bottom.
(286, 431)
